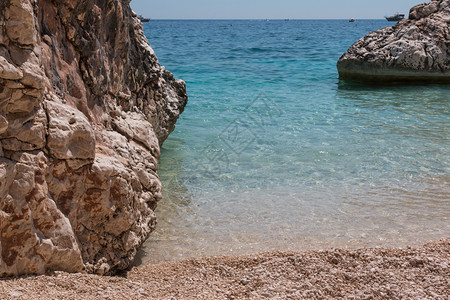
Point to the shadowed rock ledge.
(415, 49)
(84, 108)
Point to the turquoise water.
(274, 152)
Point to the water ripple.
(273, 151)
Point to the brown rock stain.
(64, 202)
(91, 200)
(91, 58)
(11, 244)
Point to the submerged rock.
(415, 49)
(84, 108)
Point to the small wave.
(256, 49)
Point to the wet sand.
(380, 273)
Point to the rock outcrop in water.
(84, 108)
(416, 49)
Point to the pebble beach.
(377, 273)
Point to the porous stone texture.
(84, 108)
(415, 49)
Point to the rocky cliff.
(416, 49)
(84, 108)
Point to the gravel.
(380, 273)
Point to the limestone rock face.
(416, 49)
(84, 108)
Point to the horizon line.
(258, 19)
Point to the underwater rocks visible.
(415, 49)
(84, 108)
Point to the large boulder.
(84, 108)
(415, 49)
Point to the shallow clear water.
(274, 152)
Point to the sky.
(271, 9)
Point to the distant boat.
(143, 20)
(352, 20)
(395, 18)
(286, 19)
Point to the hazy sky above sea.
(271, 9)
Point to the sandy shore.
(381, 273)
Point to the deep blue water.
(274, 152)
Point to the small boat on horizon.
(395, 18)
(143, 20)
(352, 20)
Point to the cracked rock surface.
(415, 49)
(84, 108)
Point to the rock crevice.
(84, 108)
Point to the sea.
(274, 152)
